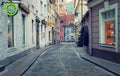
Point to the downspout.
(90, 32)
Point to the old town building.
(80, 8)
(104, 40)
(24, 31)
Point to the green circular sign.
(11, 9)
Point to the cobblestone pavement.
(64, 60)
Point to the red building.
(62, 24)
(69, 19)
(66, 27)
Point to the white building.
(19, 33)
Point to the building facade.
(57, 22)
(80, 9)
(67, 28)
(51, 21)
(104, 29)
(17, 33)
(62, 24)
(23, 32)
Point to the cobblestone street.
(64, 60)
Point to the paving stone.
(64, 61)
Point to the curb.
(100, 66)
(95, 63)
(33, 61)
(27, 65)
(2, 68)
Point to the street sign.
(11, 9)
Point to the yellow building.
(57, 27)
(51, 22)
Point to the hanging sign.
(11, 9)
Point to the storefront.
(104, 29)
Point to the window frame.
(102, 23)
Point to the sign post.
(11, 9)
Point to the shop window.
(10, 32)
(110, 33)
(109, 27)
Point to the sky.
(70, 7)
(69, 1)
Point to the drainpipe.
(90, 33)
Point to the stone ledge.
(13, 58)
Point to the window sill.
(12, 49)
(107, 46)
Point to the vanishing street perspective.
(59, 37)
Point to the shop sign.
(50, 23)
(11, 9)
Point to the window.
(23, 24)
(41, 7)
(41, 31)
(71, 22)
(109, 14)
(10, 32)
(32, 31)
(61, 29)
(110, 32)
(61, 22)
(61, 38)
(49, 36)
(108, 26)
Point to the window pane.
(109, 14)
(23, 23)
(10, 32)
(110, 33)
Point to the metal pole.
(81, 9)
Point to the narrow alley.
(59, 37)
(64, 60)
